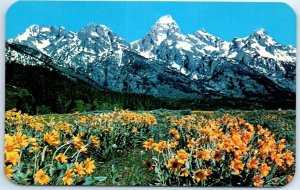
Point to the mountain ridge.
(167, 63)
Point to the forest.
(41, 90)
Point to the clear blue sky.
(132, 20)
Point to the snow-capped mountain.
(76, 50)
(165, 42)
(166, 62)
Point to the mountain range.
(164, 63)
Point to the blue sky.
(132, 20)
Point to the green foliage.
(19, 97)
(186, 112)
(128, 169)
(28, 88)
(81, 106)
(43, 109)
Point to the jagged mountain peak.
(207, 37)
(166, 20)
(202, 31)
(93, 30)
(259, 38)
(261, 31)
(262, 37)
(164, 24)
(36, 30)
(164, 28)
(166, 62)
(261, 44)
(95, 27)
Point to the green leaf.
(59, 166)
(89, 181)
(100, 178)
(157, 170)
(187, 165)
(113, 168)
(51, 171)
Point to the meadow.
(151, 148)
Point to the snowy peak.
(95, 30)
(39, 31)
(209, 41)
(263, 38)
(165, 62)
(164, 28)
(164, 32)
(166, 23)
(167, 19)
(95, 37)
(261, 32)
(41, 37)
(260, 43)
(32, 31)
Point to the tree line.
(40, 90)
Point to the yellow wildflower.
(134, 129)
(61, 158)
(68, 178)
(182, 156)
(9, 171)
(52, 138)
(289, 178)
(237, 166)
(95, 140)
(160, 146)
(200, 175)
(12, 157)
(202, 154)
(258, 181)
(148, 144)
(253, 163)
(174, 165)
(289, 159)
(79, 169)
(89, 166)
(264, 169)
(175, 133)
(184, 172)
(41, 177)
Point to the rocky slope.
(165, 62)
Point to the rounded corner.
(288, 182)
(11, 7)
(11, 180)
(290, 7)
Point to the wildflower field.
(151, 148)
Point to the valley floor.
(158, 147)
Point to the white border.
(8, 185)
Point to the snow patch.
(184, 45)
(232, 55)
(41, 45)
(23, 36)
(179, 68)
(210, 48)
(277, 55)
(195, 77)
(160, 38)
(45, 29)
(176, 66)
(147, 54)
(167, 19)
(95, 34)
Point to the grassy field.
(159, 147)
